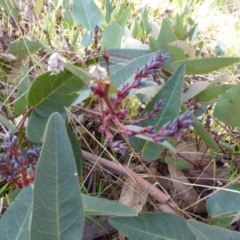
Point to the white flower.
(56, 63)
(97, 72)
(131, 43)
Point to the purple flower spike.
(119, 147)
(176, 128)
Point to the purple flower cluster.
(152, 67)
(174, 129)
(115, 115)
(170, 129)
(18, 167)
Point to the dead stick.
(127, 172)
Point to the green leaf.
(52, 93)
(124, 17)
(171, 94)
(76, 151)
(126, 73)
(145, 21)
(87, 39)
(112, 37)
(87, 14)
(101, 206)
(10, 8)
(8, 124)
(193, 33)
(21, 99)
(109, 9)
(227, 108)
(153, 226)
(21, 48)
(36, 126)
(14, 223)
(166, 34)
(120, 58)
(205, 65)
(79, 73)
(182, 165)
(38, 6)
(136, 30)
(223, 214)
(121, 9)
(154, 45)
(212, 92)
(205, 135)
(57, 206)
(205, 232)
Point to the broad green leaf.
(10, 8)
(76, 151)
(87, 39)
(145, 22)
(182, 165)
(205, 65)
(154, 45)
(78, 72)
(8, 124)
(153, 226)
(178, 20)
(212, 92)
(109, 9)
(124, 17)
(166, 34)
(205, 232)
(22, 48)
(193, 33)
(101, 206)
(82, 95)
(52, 93)
(171, 94)
(121, 9)
(223, 206)
(136, 30)
(38, 6)
(21, 99)
(87, 14)
(205, 135)
(120, 58)
(14, 223)
(57, 206)
(36, 126)
(127, 72)
(227, 108)
(112, 37)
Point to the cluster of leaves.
(55, 207)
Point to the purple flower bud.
(14, 141)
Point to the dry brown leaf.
(155, 176)
(189, 150)
(184, 191)
(132, 195)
